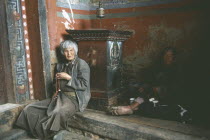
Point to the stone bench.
(135, 127)
(103, 126)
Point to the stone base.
(98, 125)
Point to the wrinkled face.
(69, 54)
(168, 57)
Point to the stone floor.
(19, 134)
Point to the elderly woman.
(45, 118)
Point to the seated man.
(159, 98)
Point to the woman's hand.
(63, 75)
(55, 95)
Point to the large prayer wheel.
(102, 50)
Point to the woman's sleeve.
(82, 79)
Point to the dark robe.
(167, 101)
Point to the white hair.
(67, 44)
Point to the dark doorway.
(2, 77)
(6, 79)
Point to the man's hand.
(141, 89)
(121, 110)
(63, 75)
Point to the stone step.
(13, 134)
(135, 127)
(19, 134)
(16, 134)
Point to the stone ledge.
(135, 127)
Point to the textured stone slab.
(8, 115)
(135, 127)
